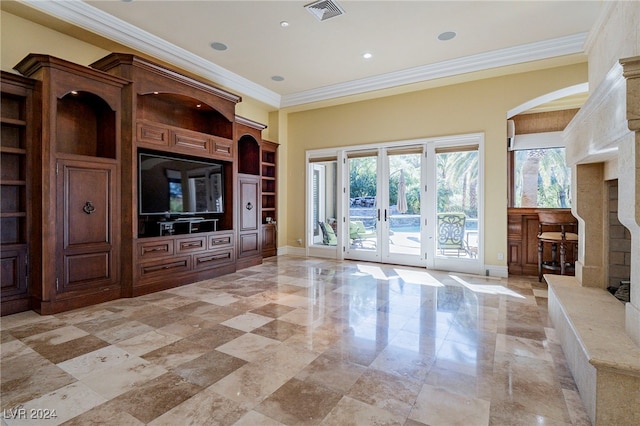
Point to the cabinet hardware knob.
(249, 206)
(88, 207)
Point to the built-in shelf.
(15, 141)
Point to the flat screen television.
(171, 185)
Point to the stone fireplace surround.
(600, 336)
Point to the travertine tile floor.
(297, 341)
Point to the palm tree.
(460, 169)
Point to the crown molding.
(93, 19)
(497, 58)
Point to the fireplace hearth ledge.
(605, 362)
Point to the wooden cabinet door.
(249, 214)
(87, 237)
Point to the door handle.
(88, 207)
(249, 206)
(378, 215)
(385, 215)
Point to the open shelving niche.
(15, 143)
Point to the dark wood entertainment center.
(76, 134)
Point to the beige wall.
(479, 106)
(21, 37)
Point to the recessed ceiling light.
(277, 78)
(367, 55)
(447, 35)
(216, 45)
(284, 24)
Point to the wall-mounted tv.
(179, 186)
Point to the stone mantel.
(600, 125)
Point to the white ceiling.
(323, 60)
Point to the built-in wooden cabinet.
(76, 229)
(185, 258)
(249, 139)
(268, 182)
(16, 142)
(169, 114)
(75, 255)
(522, 242)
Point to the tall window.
(324, 201)
(541, 178)
(538, 172)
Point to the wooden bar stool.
(558, 230)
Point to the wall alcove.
(249, 152)
(93, 135)
(184, 112)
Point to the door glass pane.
(404, 204)
(324, 200)
(457, 203)
(363, 206)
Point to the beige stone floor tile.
(204, 408)
(60, 405)
(208, 368)
(92, 362)
(522, 347)
(147, 342)
(247, 322)
(250, 384)
(55, 337)
(28, 377)
(351, 412)
(104, 415)
(122, 377)
(175, 354)
(253, 418)
(437, 406)
(155, 397)
(390, 392)
(248, 346)
(299, 403)
(332, 373)
(13, 349)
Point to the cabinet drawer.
(152, 249)
(164, 266)
(191, 142)
(222, 148)
(213, 259)
(191, 244)
(154, 135)
(220, 241)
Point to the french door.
(384, 199)
(417, 203)
(454, 224)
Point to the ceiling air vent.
(324, 9)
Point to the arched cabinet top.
(149, 77)
(63, 77)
